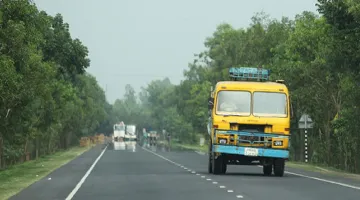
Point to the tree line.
(47, 99)
(316, 54)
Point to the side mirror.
(210, 103)
(291, 111)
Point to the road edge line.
(77, 187)
(322, 180)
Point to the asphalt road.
(133, 172)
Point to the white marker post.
(305, 123)
(306, 154)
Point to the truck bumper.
(251, 151)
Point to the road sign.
(305, 122)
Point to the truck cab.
(249, 122)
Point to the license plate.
(251, 152)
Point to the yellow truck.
(249, 122)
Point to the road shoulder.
(60, 182)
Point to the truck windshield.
(119, 128)
(270, 104)
(233, 103)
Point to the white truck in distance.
(130, 132)
(119, 131)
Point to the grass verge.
(18, 177)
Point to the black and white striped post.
(305, 123)
(306, 152)
(306, 144)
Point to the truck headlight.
(222, 141)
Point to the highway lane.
(128, 172)
(125, 171)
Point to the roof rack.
(249, 73)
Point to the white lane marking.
(197, 174)
(230, 191)
(323, 180)
(77, 187)
(193, 172)
(184, 168)
(239, 196)
(162, 157)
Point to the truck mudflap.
(251, 151)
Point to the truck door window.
(270, 104)
(233, 102)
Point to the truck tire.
(267, 170)
(210, 167)
(279, 167)
(224, 166)
(217, 164)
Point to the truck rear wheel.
(267, 170)
(279, 167)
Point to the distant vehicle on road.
(119, 132)
(130, 134)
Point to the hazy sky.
(137, 41)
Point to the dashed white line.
(193, 172)
(77, 187)
(161, 156)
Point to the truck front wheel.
(224, 165)
(210, 169)
(279, 167)
(217, 164)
